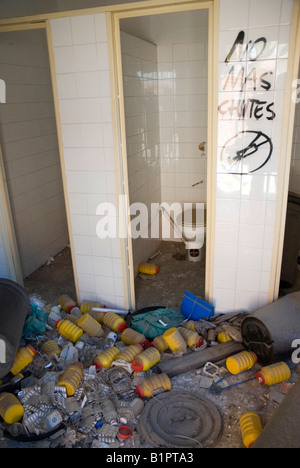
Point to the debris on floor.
(86, 376)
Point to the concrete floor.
(177, 275)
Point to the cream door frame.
(213, 7)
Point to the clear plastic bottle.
(110, 340)
(109, 412)
(50, 422)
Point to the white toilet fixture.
(192, 224)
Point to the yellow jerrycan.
(90, 326)
(105, 359)
(11, 410)
(153, 385)
(175, 340)
(87, 306)
(71, 378)
(114, 322)
(160, 343)
(130, 353)
(149, 269)
(132, 337)
(51, 348)
(223, 337)
(251, 428)
(146, 360)
(66, 303)
(274, 374)
(241, 362)
(23, 358)
(69, 330)
(191, 337)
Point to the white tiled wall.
(139, 61)
(83, 79)
(246, 204)
(30, 149)
(295, 167)
(183, 76)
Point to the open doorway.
(31, 165)
(165, 75)
(290, 273)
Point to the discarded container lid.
(122, 327)
(32, 349)
(137, 366)
(58, 322)
(139, 390)
(124, 432)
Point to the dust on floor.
(177, 275)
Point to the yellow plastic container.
(23, 358)
(132, 337)
(131, 352)
(224, 337)
(241, 362)
(157, 384)
(114, 322)
(105, 359)
(66, 303)
(51, 348)
(251, 428)
(160, 343)
(69, 330)
(71, 378)
(274, 374)
(175, 340)
(191, 337)
(11, 409)
(146, 360)
(90, 326)
(97, 315)
(149, 269)
(190, 325)
(87, 306)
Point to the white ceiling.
(169, 28)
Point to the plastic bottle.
(105, 359)
(71, 378)
(11, 410)
(97, 315)
(191, 337)
(146, 360)
(52, 349)
(190, 325)
(66, 303)
(241, 362)
(109, 412)
(224, 337)
(251, 428)
(160, 343)
(274, 374)
(90, 326)
(175, 340)
(50, 422)
(87, 306)
(23, 358)
(114, 322)
(69, 330)
(149, 269)
(132, 337)
(130, 353)
(110, 340)
(129, 411)
(153, 385)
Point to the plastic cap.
(158, 270)
(261, 378)
(57, 323)
(98, 365)
(122, 327)
(124, 432)
(200, 342)
(137, 366)
(145, 344)
(140, 391)
(32, 349)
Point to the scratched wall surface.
(253, 56)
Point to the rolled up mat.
(198, 359)
(14, 308)
(283, 430)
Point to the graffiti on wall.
(245, 78)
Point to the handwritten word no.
(252, 51)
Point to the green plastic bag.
(155, 323)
